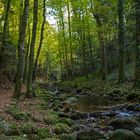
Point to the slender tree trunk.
(31, 55)
(101, 43)
(64, 43)
(21, 43)
(137, 61)
(41, 40)
(102, 46)
(5, 24)
(70, 36)
(3, 42)
(26, 57)
(121, 34)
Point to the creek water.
(95, 103)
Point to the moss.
(68, 137)
(51, 117)
(61, 128)
(28, 129)
(67, 121)
(44, 133)
(17, 114)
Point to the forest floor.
(79, 106)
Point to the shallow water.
(94, 103)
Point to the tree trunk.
(121, 35)
(4, 39)
(21, 43)
(5, 24)
(137, 61)
(102, 46)
(26, 57)
(41, 40)
(31, 55)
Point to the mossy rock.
(44, 133)
(68, 137)
(33, 137)
(122, 134)
(51, 117)
(2, 137)
(8, 129)
(21, 116)
(28, 129)
(17, 114)
(67, 121)
(61, 128)
(132, 95)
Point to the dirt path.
(6, 91)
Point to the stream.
(97, 111)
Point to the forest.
(69, 70)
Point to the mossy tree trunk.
(137, 66)
(121, 35)
(4, 36)
(31, 55)
(27, 56)
(21, 43)
(102, 46)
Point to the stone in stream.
(89, 134)
(124, 123)
(71, 100)
(122, 134)
(137, 131)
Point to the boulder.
(89, 134)
(28, 129)
(8, 129)
(71, 100)
(123, 123)
(44, 133)
(137, 131)
(122, 134)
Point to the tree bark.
(21, 43)
(26, 57)
(5, 24)
(137, 61)
(31, 55)
(102, 46)
(41, 40)
(121, 36)
(3, 41)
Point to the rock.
(89, 134)
(8, 129)
(61, 128)
(71, 100)
(134, 107)
(51, 118)
(78, 115)
(123, 123)
(137, 131)
(67, 121)
(122, 134)
(44, 133)
(28, 129)
(68, 137)
(21, 116)
(2, 137)
(17, 114)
